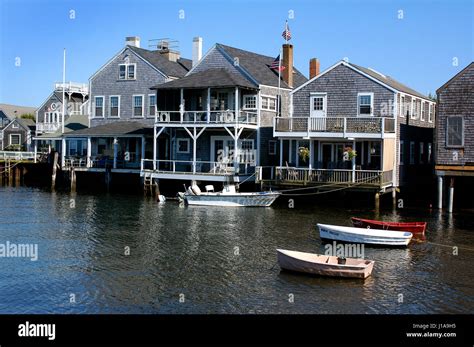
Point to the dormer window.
(127, 71)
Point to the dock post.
(17, 176)
(55, 167)
(451, 195)
(73, 180)
(107, 178)
(377, 201)
(440, 192)
(394, 198)
(156, 184)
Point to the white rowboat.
(324, 265)
(362, 235)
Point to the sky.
(420, 43)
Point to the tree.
(28, 116)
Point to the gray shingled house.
(122, 108)
(454, 154)
(18, 135)
(216, 121)
(354, 125)
(8, 113)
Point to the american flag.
(286, 33)
(276, 64)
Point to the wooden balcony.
(303, 176)
(335, 127)
(204, 118)
(47, 127)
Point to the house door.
(326, 155)
(318, 106)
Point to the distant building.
(18, 135)
(455, 133)
(19, 130)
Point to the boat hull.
(414, 228)
(315, 264)
(233, 200)
(366, 236)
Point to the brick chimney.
(287, 62)
(132, 41)
(313, 67)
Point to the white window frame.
(403, 107)
(110, 106)
(268, 108)
(15, 126)
(412, 108)
(447, 132)
(133, 106)
(422, 116)
(127, 65)
(412, 153)
(19, 140)
(178, 140)
(272, 147)
(431, 112)
(103, 106)
(149, 105)
(402, 152)
(371, 104)
(245, 98)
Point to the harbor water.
(110, 253)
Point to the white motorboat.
(227, 197)
(362, 235)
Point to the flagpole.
(64, 87)
(279, 83)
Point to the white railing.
(204, 117)
(13, 155)
(47, 127)
(101, 162)
(72, 87)
(197, 167)
(284, 174)
(344, 125)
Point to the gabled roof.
(389, 81)
(211, 78)
(117, 128)
(383, 80)
(471, 65)
(12, 111)
(170, 68)
(258, 66)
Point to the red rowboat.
(413, 227)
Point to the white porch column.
(236, 150)
(194, 150)
(155, 140)
(89, 152)
(208, 105)
(236, 104)
(311, 154)
(281, 152)
(36, 149)
(143, 148)
(354, 162)
(181, 104)
(440, 192)
(115, 152)
(451, 195)
(63, 152)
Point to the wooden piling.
(55, 167)
(377, 201)
(451, 195)
(72, 177)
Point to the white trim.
(431, 107)
(272, 147)
(268, 97)
(143, 106)
(402, 105)
(246, 96)
(127, 72)
(110, 106)
(188, 140)
(103, 106)
(281, 88)
(19, 140)
(371, 94)
(314, 95)
(148, 108)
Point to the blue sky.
(418, 49)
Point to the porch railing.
(16, 155)
(364, 125)
(294, 175)
(202, 117)
(47, 127)
(198, 167)
(100, 162)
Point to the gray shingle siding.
(342, 85)
(456, 99)
(106, 83)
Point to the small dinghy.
(413, 227)
(363, 235)
(227, 197)
(324, 265)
